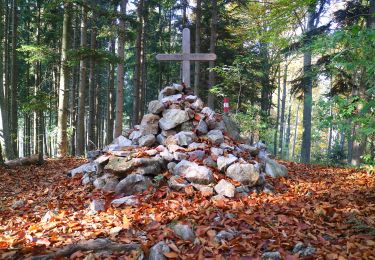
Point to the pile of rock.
(180, 135)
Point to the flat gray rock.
(155, 107)
(132, 184)
(172, 118)
(274, 169)
(193, 172)
(225, 188)
(246, 174)
(157, 251)
(215, 136)
(223, 162)
(184, 232)
(147, 140)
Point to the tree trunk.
(14, 83)
(92, 79)
(282, 116)
(138, 66)
(62, 140)
(110, 96)
(82, 88)
(278, 113)
(3, 104)
(198, 14)
(287, 136)
(120, 70)
(295, 132)
(211, 76)
(307, 94)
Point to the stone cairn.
(183, 136)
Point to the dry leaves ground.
(331, 209)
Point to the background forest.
(299, 74)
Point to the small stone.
(85, 168)
(198, 104)
(170, 166)
(174, 148)
(191, 98)
(271, 256)
(197, 146)
(168, 91)
(177, 183)
(179, 156)
(215, 136)
(166, 155)
(18, 204)
(268, 189)
(172, 98)
(196, 155)
(242, 189)
(193, 172)
(158, 250)
(152, 152)
(135, 135)
(160, 139)
(122, 141)
(202, 127)
(223, 162)
(216, 151)
(107, 182)
(250, 149)
(185, 138)
(227, 147)
(97, 205)
(129, 200)
(187, 126)
(184, 232)
(206, 190)
(178, 87)
(168, 133)
(132, 184)
(207, 111)
(225, 188)
(303, 250)
(147, 140)
(210, 162)
(155, 107)
(243, 173)
(218, 197)
(224, 235)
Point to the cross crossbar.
(186, 56)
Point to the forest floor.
(331, 209)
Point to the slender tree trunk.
(14, 81)
(120, 71)
(295, 132)
(143, 67)
(138, 66)
(62, 140)
(307, 95)
(73, 92)
(282, 116)
(92, 79)
(198, 15)
(4, 115)
(278, 113)
(110, 96)
(185, 4)
(213, 37)
(287, 136)
(82, 88)
(329, 148)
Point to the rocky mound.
(187, 143)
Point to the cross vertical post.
(186, 52)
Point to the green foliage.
(39, 53)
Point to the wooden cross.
(186, 57)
